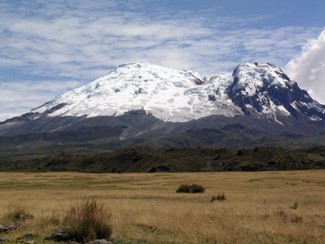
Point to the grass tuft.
(17, 213)
(218, 198)
(88, 221)
(283, 215)
(295, 206)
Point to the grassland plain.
(146, 208)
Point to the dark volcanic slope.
(256, 105)
(82, 135)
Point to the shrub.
(196, 189)
(218, 198)
(183, 189)
(88, 221)
(295, 206)
(18, 213)
(190, 189)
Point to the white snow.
(283, 110)
(276, 120)
(168, 94)
(251, 77)
(316, 106)
(315, 118)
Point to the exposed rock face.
(260, 90)
(139, 103)
(263, 89)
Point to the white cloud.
(80, 41)
(71, 41)
(17, 98)
(308, 68)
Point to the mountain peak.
(136, 66)
(254, 76)
(265, 89)
(168, 94)
(182, 95)
(143, 67)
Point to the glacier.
(182, 95)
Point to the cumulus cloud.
(308, 68)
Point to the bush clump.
(88, 221)
(218, 198)
(18, 213)
(190, 189)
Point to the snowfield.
(175, 95)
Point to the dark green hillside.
(174, 160)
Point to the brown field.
(145, 208)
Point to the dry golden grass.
(146, 207)
(87, 221)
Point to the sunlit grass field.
(145, 207)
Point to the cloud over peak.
(62, 41)
(308, 68)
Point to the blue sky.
(48, 47)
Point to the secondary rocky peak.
(259, 90)
(264, 89)
(250, 77)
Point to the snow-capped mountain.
(168, 94)
(260, 90)
(141, 104)
(266, 90)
